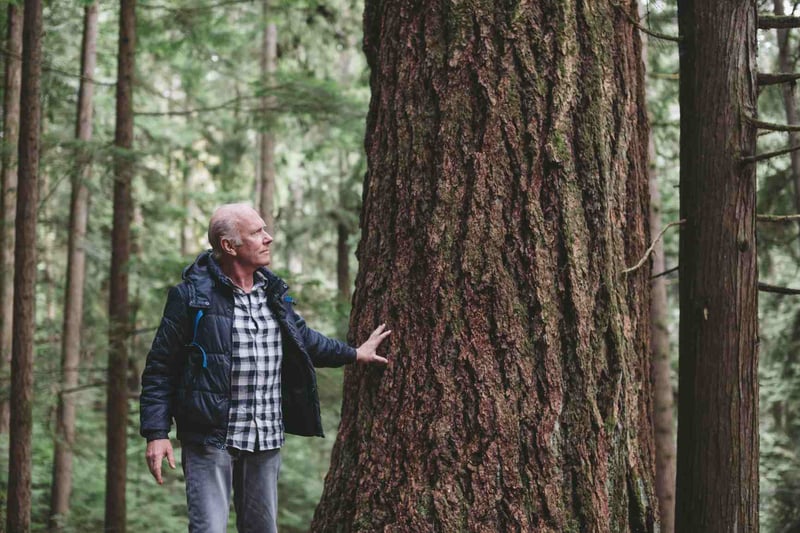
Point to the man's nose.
(267, 237)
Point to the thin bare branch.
(772, 126)
(652, 246)
(767, 78)
(666, 272)
(188, 8)
(625, 11)
(50, 68)
(778, 218)
(768, 155)
(764, 287)
(768, 21)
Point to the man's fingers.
(380, 359)
(157, 450)
(379, 334)
(155, 468)
(171, 458)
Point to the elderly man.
(233, 364)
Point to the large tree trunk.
(717, 480)
(506, 192)
(117, 403)
(76, 275)
(11, 95)
(266, 138)
(19, 472)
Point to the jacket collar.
(204, 274)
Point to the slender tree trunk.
(506, 192)
(660, 371)
(343, 260)
(11, 96)
(717, 479)
(117, 404)
(785, 64)
(663, 402)
(76, 275)
(294, 257)
(186, 224)
(266, 139)
(18, 518)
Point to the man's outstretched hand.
(366, 353)
(157, 450)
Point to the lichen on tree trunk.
(506, 192)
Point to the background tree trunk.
(785, 64)
(661, 370)
(343, 283)
(506, 192)
(18, 516)
(266, 138)
(76, 274)
(11, 96)
(117, 405)
(717, 480)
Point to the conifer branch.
(772, 126)
(189, 8)
(768, 155)
(778, 218)
(767, 78)
(666, 272)
(764, 287)
(652, 246)
(767, 21)
(185, 112)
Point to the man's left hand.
(366, 353)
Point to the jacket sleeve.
(161, 371)
(323, 350)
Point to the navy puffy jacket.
(187, 374)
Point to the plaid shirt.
(255, 420)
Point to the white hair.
(224, 224)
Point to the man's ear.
(228, 247)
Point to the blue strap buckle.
(194, 338)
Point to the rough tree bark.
(506, 192)
(18, 516)
(76, 275)
(266, 139)
(717, 480)
(117, 394)
(11, 95)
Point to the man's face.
(254, 250)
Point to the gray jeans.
(211, 473)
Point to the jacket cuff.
(352, 356)
(155, 435)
